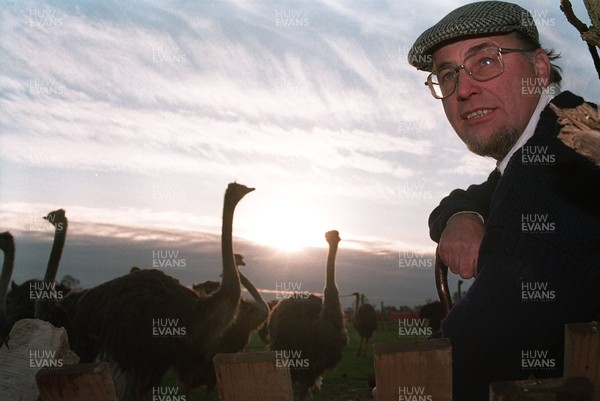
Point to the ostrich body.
(311, 329)
(434, 312)
(19, 303)
(364, 321)
(7, 244)
(125, 320)
(251, 316)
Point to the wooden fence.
(417, 370)
(423, 370)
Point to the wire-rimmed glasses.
(482, 65)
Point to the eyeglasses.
(482, 66)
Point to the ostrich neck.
(7, 268)
(356, 304)
(331, 295)
(230, 282)
(252, 290)
(331, 265)
(60, 234)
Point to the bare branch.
(567, 9)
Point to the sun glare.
(287, 228)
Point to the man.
(530, 234)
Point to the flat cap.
(475, 19)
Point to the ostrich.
(7, 244)
(206, 288)
(147, 322)
(209, 286)
(59, 220)
(309, 332)
(19, 303)
(434, 312)
(251, 316)
(263, 331)
(364, 321)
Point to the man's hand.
(459, 244)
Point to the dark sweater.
(538, 265)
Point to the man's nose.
(466, 86)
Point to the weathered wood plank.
(582, 352)
(560, 389)
(252, 376)
(81, 382)
(416, 368)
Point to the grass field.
(349, 381)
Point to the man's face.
(490, 116)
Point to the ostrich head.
(57, 218)
(235, 192)
(239, 260)
(7, 243)
(332, 237)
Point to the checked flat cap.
(475, 19)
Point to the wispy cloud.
(140, 113)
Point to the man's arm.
(457, 225)
(474, 199)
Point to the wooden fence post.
(582, 353)
(414, 370)
(252, 376)
(81, 382)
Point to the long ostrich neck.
(41, 309)
(7, 268)
(60, 234)
(331, 295)
(225, 301)
(356, 304)
(331, 266)
(230, 282)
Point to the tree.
(590, 34)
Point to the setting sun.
(287, 226)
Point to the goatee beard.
(498, 145)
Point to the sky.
(134, 117)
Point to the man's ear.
(541, 64)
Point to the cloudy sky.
(134, 117)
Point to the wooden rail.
(567, 389)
